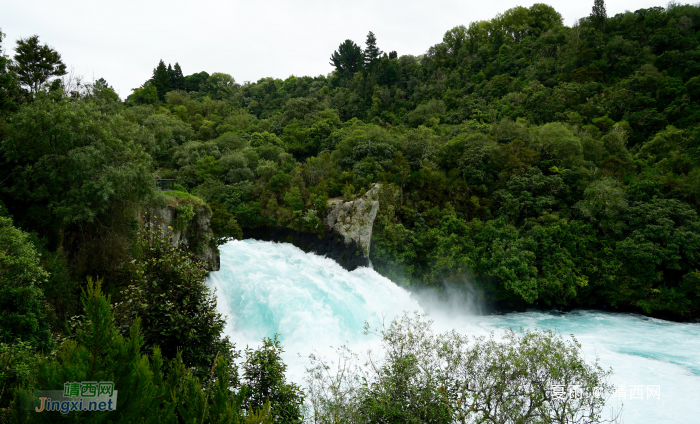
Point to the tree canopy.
(36, 63)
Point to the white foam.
(314, 304)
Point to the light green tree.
(22, 315)
(73, 163)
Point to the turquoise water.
(315, 305)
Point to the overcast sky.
(122, 41)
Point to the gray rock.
(354, 220)
(195, 237)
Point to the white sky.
(122, 41)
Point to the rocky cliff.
(348, 231)
(186, 220)
(354, 220)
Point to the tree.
(178, 310)
(294, 200)
(604, 201)
(348, 59)
(99, 353)
(102, 89)
(263, 139)
(220, 84)
(10, 91)
(146, 393)
(263, 374)
(664, 235)
(372, 52)
(455, 38)
(144, 95)
(161, 80)
(196, 82)
(178, 80)
(35, 64)
(208, 167)
(598, 14)
(556, 142)
(22, 314)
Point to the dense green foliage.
(147, 393)
(22, 312)
(177, 308)
(421, 377)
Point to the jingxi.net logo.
(79, 396)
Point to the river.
(315, 305)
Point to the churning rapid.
(315, 305)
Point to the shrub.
(428, 378)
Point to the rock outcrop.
(188, 228)
(354, 220)
(348, 231)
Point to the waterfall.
(315, 305)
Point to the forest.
(544, 165)
(551, 165)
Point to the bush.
(428, 378)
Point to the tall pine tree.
(161, 80)
(171, 75)
(178, 81)
(372, 52)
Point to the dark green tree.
(598, 14)
(263, 374)
(71, 163)
(348, 59)
(146, 394)
(196, 82)
(144, 95)
(35, 63)
(372, 53)
(171, 74)
(10, 91)
(177, 308)
(178, 80)
(161, 80)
